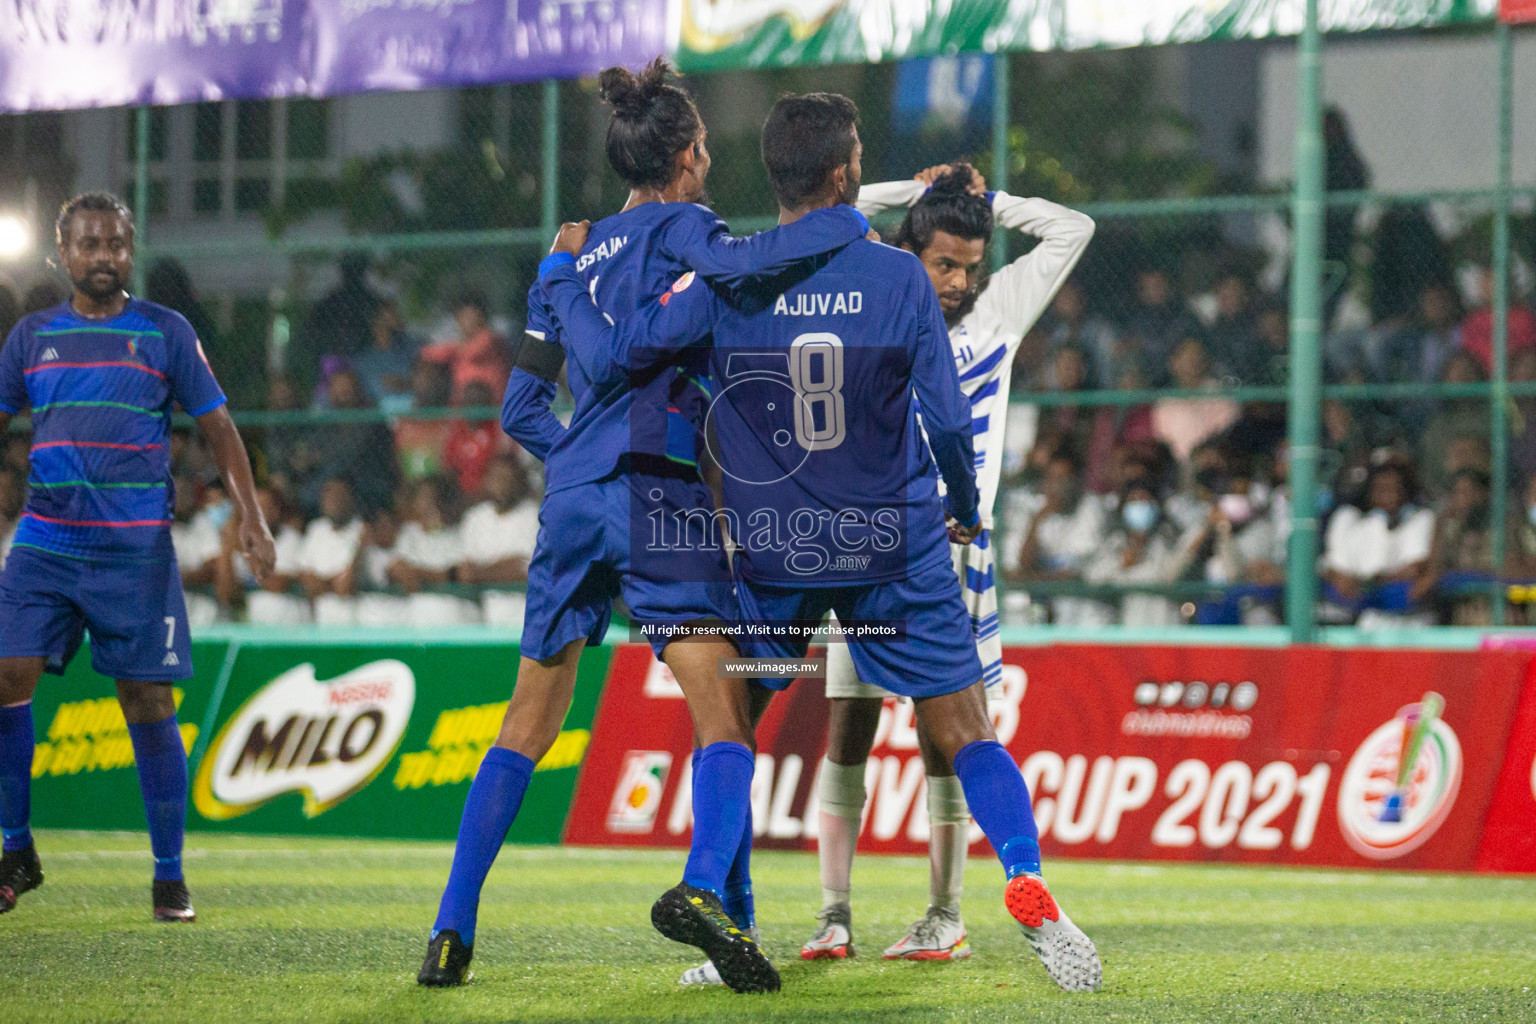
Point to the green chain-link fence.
(311, 236)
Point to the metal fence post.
(1001, 88)
(140, 197)
(1306, 330)
(550, 220)
(1498, 401)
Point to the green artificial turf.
(334, 930)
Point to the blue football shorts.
(935, 653)
(619, 538)
(135, 612)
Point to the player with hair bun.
(632, 447)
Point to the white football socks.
(840, 792)
(949, 823)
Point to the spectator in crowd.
(1158, 321)
(362, 451)
(269, 603)
(471, 445)
(1520, 551)
(1522, 425)
(1233, 339)
(1246, 552)
(1262, 425)
(289, 457)
(1344, 171)
(13, 496)
(41, 296)
(385, 365)
(327, 560)
(1143, 546)
(1182, 423)
(1373, 556)
(498, 537)
(340, 324)
(1073, 326)
(1347, 449)
(1417, 351)
(1115, 426)
(479, 353)
(169, 284)
(10, 308)
(1461, 554)
(1065, 529)
(1459, 429)
(1409, 256)
(429, 552)
(197, 532)
(421, 443)
(1477, 329)
(377, 605)
(1068, 372)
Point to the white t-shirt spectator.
(1365, 544)
(1067, 541)
(197, 543)
(328, 549)
(434, 550)
(491, 536)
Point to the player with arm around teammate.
(100, 374)
(948, 226)
(832, 490)
(632, 441)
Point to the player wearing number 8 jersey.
(948, 226)
(831, 486)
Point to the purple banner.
(60, 54)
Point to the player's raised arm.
(525, 409)
(1020, 292)
(608, 353)
(946, 413)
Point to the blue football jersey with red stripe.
(101, 394)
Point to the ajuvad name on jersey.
(819, 304)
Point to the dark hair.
(948, 206)
(94, 202)
(653, 120)
(805, 139)
(1472, 473)
(445, 492)
(473, 298)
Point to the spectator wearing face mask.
(1065, 530)
(1372, 556)
(1143, 547)
(1247, 553)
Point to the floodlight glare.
(15, 236)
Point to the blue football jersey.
(655, 412)
(814, 414)
(101, 394)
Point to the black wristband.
(539, 357)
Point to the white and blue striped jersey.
(984, 344)
(986, 340)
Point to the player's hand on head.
(873, 235)
(978, 185)
(572, 237)
(260, 551)
(931, 174)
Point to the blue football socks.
(1000, 804)
(162, 764)
(17, 742)
(738, 881)
(492, 806)
(722, 799)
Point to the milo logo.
(326, 740)
(1400, 784)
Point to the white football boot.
(938, 935)
(834, 939)
(1069, 956)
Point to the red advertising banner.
(1515, 11)
(1158, 753)
(1509, 841)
